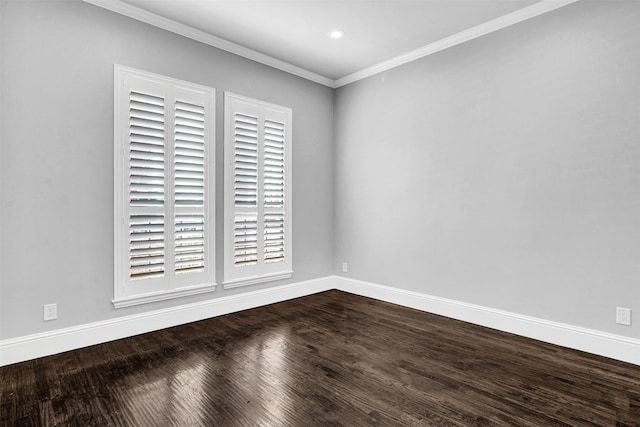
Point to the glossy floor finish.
(330, 359)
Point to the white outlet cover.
(50, 312)
(623, 316)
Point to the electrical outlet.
(345, 267)
(50, 312)
(623, 316)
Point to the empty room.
(319, 213)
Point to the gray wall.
(503, 172)
(57, 155)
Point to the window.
(164, 183)
(257, 216)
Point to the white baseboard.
(47, 343)
(589, 340)
(19, 349)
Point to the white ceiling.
(295, 31)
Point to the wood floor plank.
(330, 359)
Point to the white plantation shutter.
(257, 191)
(245, 239)
(245, 160)
(274, 191)
(191, 224)
(245, 187)
(163, 188)
(146, 134)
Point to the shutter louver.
(189, 185)
(245, 160)
(274, 237)
(146, 150)
(245, 240)
(146, 186)
(273, 164)
(189, 243)
(245, 189)
(189, 154)
(274, 191)
(146, 246)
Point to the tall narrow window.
(257, 227)
(164, 201)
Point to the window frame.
(233, 277)
(172, 285)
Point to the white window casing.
(163, 188)
(257, 192)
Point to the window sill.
(163, 295)
(246, 281)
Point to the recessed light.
(335, 34)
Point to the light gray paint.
(57, 155)
(503, 172)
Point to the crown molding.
(504, 21)
(206, 38)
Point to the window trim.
(122, 296)
(230, 282)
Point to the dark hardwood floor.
(330, 359)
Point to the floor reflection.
(202, 389)
(260, 361)
(180, 391)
